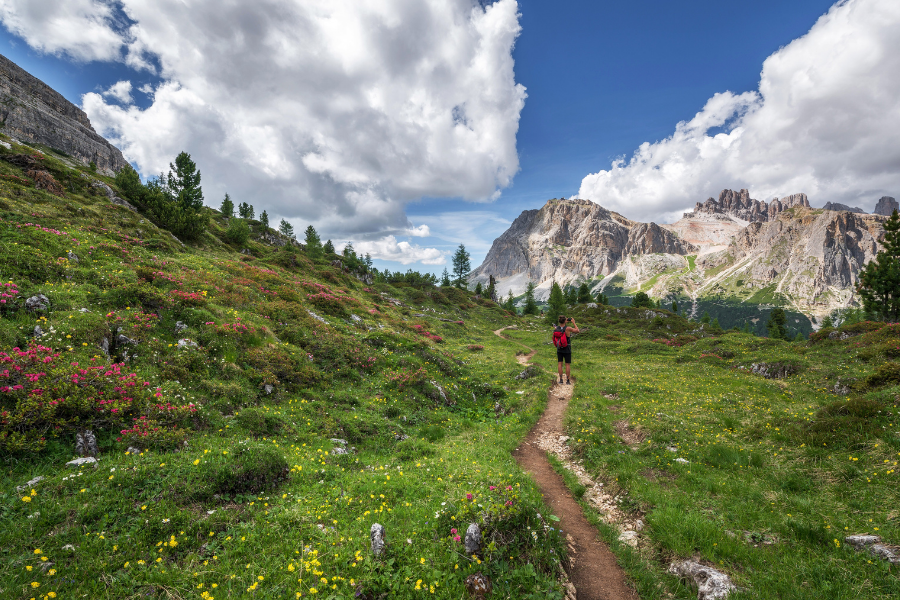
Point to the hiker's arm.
(574, 327)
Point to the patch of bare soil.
(629, 434)
(592, 569)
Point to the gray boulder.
(29, 484)
(710, 583)
(38, 302)
(376, 538)
(472, 541)
(873, 544)
(79, 462)
(186, 343)
(179, 327)
(38, 332)
(86, 443)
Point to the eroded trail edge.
(593, 569)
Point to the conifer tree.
(245, 210)
(478, 289)
(602, 298)
(445, 278)
(531, 307)
(227, 208)
(879, 281)
(461, 267)
(367, 261)
(184, 182)
(584, 294)
(777, 324)
(705, 318)
(286, 229)
(827, 322)
(557, 303)
(313, 242)
(328, 248)
(510, 303)
(571, 295)
(642, 300)
(264, 220)
(675, 307)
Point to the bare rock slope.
(32, 112)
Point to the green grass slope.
(238, 490)
(779, 470)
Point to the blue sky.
(601, 79)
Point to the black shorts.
(564, 356)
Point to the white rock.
(711, 584)
(630, 538)
(683, 461)
(29, 484)
(376, 537)
(88, 460)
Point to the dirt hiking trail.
(592, 568)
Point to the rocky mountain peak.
(843, 207)
(886, 206)
(741, 206)
(34, 113)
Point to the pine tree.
(777, 324)
(227, 208)
(715, 324)
(313, 242)
(478, 289)
(328, 248)
(827, 322)
(642, 300)
(461, 267)
(184, 182)
(445, 278)
(245, 210)
(675, 307)
(602, 298)
(264, 220)
(705, 318)
(584, 294)
(799, 337)
(879, 281)
(557, 303)
(286, 229)
(510, 303)
(531, 307)
(368, 261)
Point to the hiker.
(562, 339)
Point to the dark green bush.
(886, 374)
(238, 232)
(259, 422)
(245, 469)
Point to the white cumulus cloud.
(824, 121)
(121, 91)
(331, 112)
(388, 248)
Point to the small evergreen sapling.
(328, 248)
(227, 208)
(531, 307)
(286, 229)
(264, 220)
(584, 294)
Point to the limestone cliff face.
(32, 112)
(567, 241)
(741, 206)
(886, 206)
(812, 258)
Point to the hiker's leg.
(559, 368)
(568, 370)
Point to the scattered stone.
(104, 346)
(132, 450)
(317, 317)
(72, 256)
(179, 327)
(841, 389)
(629, 538)
(775, 370)
(89, 460)
(528, 373)
(268, 389)
(683, 461)
(400, 437)
(711, 584)
(124, 340)
(376, 537)
(418, 315)
(443, 395)
(69, 547)
(563, 439)
(38, 332)
(839, 336)
(873, 544)
(478, 586)
(83, 310)
(591, 305)
(338, 264)
(86, 443)
(38, 302)
(672, 449)
(356, 318)
(339, 441)
(29, 484)
(339, 451)
(186, 343)
(472, 541)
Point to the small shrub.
(433, 433)
(886, 374)
(259, 422)
(413, 449)
(245, 469)
(238, 232)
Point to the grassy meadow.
(779, 470)
(233, 370)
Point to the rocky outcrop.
(843, 207)
(741, 206)
(886, 206)
(568, 241)
(34, 113)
